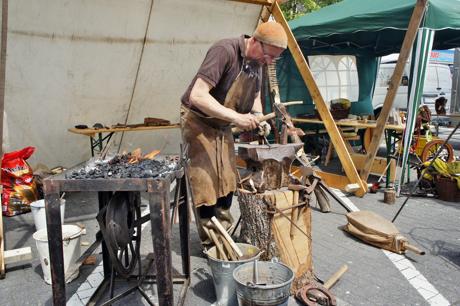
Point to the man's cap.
(271, 33)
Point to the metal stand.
(111, 282)
(391, 138)
(100, 142)
(158, 191)
(421, 176)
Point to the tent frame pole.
(259, 2)
(323, 110)
(272, 7)
(409, 38)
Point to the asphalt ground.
(373, 277)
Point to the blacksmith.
(225, 92)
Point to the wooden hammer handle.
(261, 119)
(413, 248)
(335, 277)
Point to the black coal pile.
(120, 167)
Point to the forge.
(119, 183)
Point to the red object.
(19, 189)
(375, 187)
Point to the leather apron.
(211, 149)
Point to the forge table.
(158, 190)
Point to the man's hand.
(246, 122)
(264, 129)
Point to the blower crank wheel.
(120, 225)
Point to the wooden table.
(99, 141)
(360, 124)
(392, 133)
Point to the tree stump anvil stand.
(274, 218)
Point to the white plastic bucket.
(38, 211)
(71, 249)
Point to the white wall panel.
(74, 62)
(179, 35)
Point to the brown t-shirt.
(220, 68)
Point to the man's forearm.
(202, 99)
(211, 107)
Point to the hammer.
(313, 295)
(271, 115)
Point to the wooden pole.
(2, 107)
(409, 39)
(329, 123)
(219, 246)
(335, 277)
(259, 2)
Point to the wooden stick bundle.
(233, 251)
(220, 250)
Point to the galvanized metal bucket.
(222, 273)
(264, 283)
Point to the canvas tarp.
(374, 28)
(82, 62)
(369, 30)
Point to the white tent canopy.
(75, 62)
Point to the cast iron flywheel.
(121, 228)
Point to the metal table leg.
(99, 142)
(159, 203)
(389, 153)
(91, 143)
(56, 256)
(184, 227)
(104, 198)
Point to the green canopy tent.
(369, 30)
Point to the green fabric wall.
(293, 88)
(367, 72)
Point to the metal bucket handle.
(66, 240)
